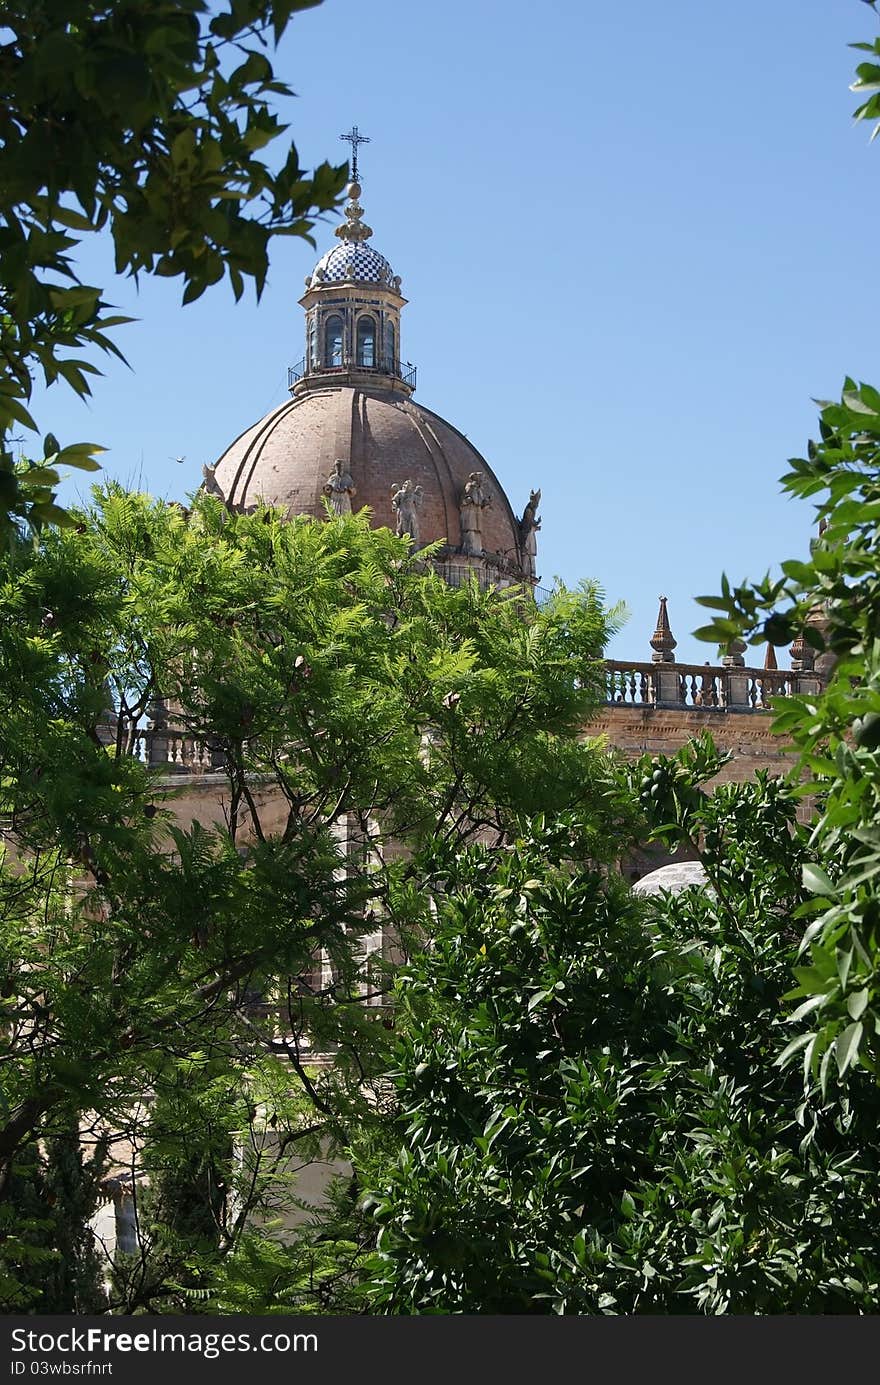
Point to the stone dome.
(677, 876)
(352, 262)
(383, 438)
(351, 430)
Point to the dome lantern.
(352, 305)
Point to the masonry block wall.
(660, 731)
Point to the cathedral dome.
(384, 440)
(351, 435)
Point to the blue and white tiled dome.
(352, 262)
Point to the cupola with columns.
(352, 307)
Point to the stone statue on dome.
(340, 489)
(406, 501)
(209, 481)
(528, 528)
(475, 498)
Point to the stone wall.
(662, 731)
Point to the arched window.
(313, 340)
(333, 341)
(390, 353)
(366, 341)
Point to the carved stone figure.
(528, 528)
(475, 498)
(209, 481)
(406, 501)
(124, 1212)
(340, 489)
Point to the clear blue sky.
(636, 238)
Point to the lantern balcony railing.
(397, 370)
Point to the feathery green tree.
(349, 712)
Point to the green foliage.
(592, 1115)
(49, 1259)
(867, 81)
(72, 1279)
(147, 120)
(26, 1226)
(833, 600)
(338, 700)
(189, 1159)
(317, 1271)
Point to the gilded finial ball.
(354, 191)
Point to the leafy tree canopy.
(150, 120)
(832, 600)
(346, 713)
(592, 1117)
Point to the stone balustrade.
(688, 687)
(701, 687)
(177, 752)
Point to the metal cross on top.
(354, 138)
